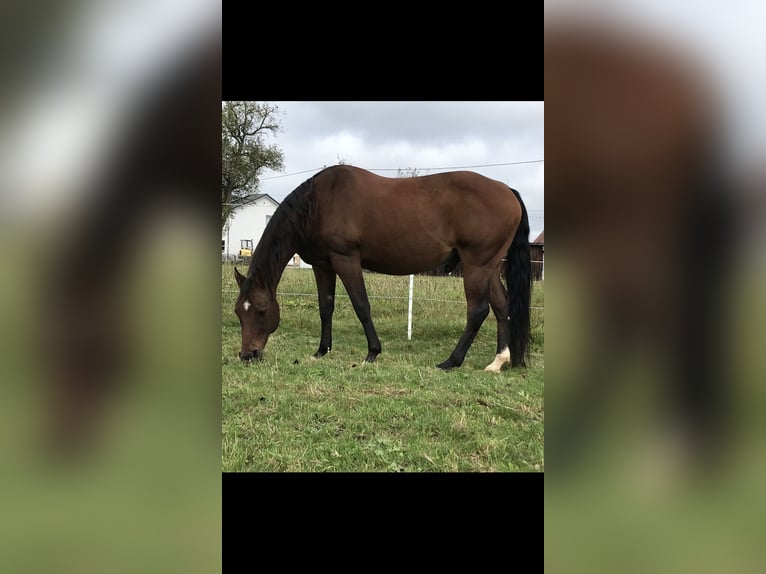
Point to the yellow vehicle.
(245, 250)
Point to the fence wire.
(291, 294)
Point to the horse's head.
(258, 313)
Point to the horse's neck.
(274, 254)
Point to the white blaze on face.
(246, 305)
(503, 356)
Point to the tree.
(408, 172)
(244, 127)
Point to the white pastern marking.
(502, 357)
(246, 305)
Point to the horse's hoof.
(447, 365)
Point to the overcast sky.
(430, 136)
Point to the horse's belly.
(402, 260)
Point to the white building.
(249, 222)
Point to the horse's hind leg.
(498, 299)
(325, 279)
(476, 285)
(350, 272)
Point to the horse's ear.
(239, 277)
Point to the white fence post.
(409, 311)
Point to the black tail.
(518, 277)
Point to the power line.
(294, 173)
(459, 166)
(418, 168)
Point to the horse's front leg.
(349, 270)
(325, 279)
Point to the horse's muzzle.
(254, 355)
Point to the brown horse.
(167, 156)
(639, 188)
(344, 219)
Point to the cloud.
(337, 146)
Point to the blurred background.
(109, 126)
(655, 141)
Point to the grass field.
(291, 412)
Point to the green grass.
(291, 412)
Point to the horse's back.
(357, 190)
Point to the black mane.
(287, 229)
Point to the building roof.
(267, 196)
(540, 239)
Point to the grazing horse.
(344, 219)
